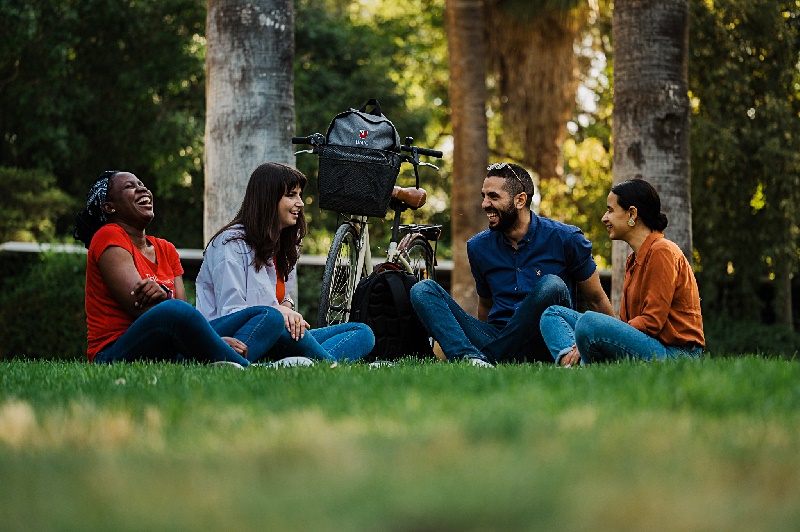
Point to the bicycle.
(350, 257)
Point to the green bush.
(30, 203)
(726, 336)
(42, 306)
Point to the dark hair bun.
(661, 222)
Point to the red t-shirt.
(105, 318)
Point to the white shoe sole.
(226, 364)
(288, 362)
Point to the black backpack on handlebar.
(359, 162)
(364, 129)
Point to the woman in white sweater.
(251, 262)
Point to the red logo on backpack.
(362, 133)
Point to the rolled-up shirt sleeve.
(578, 252)
(481, 285)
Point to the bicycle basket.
(355, 180)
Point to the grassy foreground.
(709, 445)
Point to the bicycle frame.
(394, 254)
(364, 259)
(412, 254)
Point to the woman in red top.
(660, 309)
(135, 299)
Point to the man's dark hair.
(517, 179)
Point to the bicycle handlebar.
(422, 151)
(318, 139)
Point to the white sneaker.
(226, 363)
(288, 362)
(480, 363)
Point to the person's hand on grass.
(571, 358)
(237, 345)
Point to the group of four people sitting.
(527, 269)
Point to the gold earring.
(631, 222)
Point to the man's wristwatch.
(288, 299)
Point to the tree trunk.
(651, 112)
(532, 52)
(249, 98)
(465, 39)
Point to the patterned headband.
(97, 194)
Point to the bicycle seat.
(411, 196)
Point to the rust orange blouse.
(660, 295)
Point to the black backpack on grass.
(381, 301)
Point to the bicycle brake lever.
(428, 164)
(303, 151)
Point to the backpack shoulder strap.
(360, 302)
(399, 291)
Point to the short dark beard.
(506, 219)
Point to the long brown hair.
(261, 221)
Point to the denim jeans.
(345, 342)
(258, 327)
(461, 335)
(601, 338)
(172, 330)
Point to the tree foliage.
(30, 205)
(745, 85)
(90, 85)
(346, 55)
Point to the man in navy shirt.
(522, 264)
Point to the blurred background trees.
(88, 85)
(745, 82)
(93, 85)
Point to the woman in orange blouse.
(660, 309)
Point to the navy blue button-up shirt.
(507, 275)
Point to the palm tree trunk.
(468, 103)
(249, 98)
(651, 112)
(532, 53)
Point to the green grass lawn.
(709, 445)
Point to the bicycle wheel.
(338, 281)
(419, 255)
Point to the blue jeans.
(258, 327)
(172, 330)
(461, 335)
(345, 342)
(601, 338)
